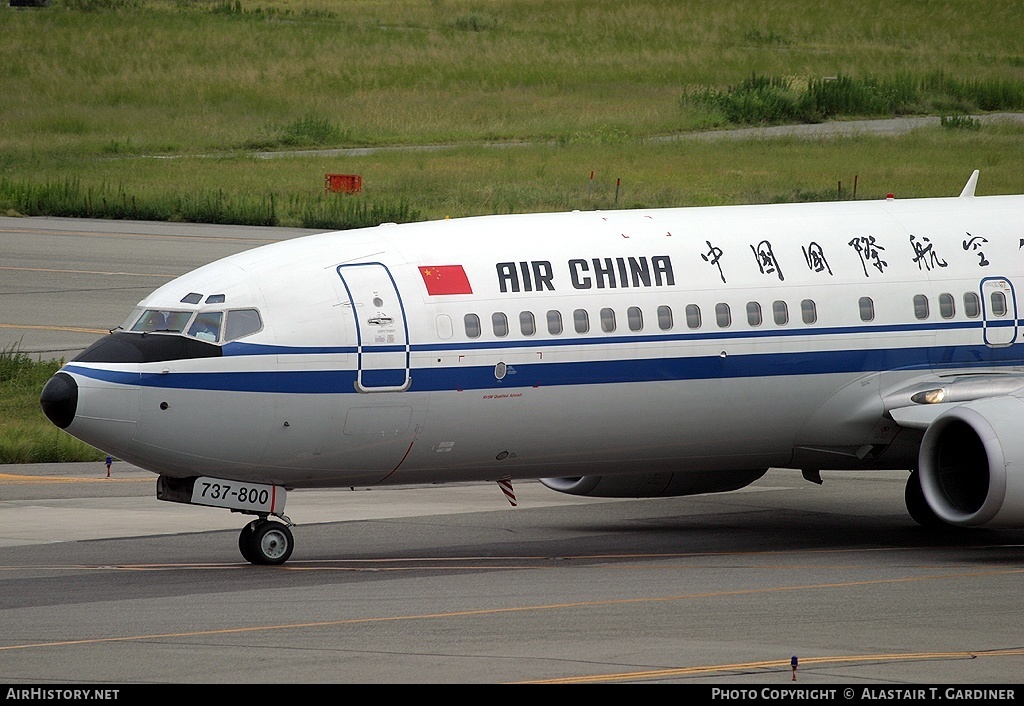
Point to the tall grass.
(331, 212)
(26, 436)
(761, 99)
(307, 131)
(69, 198)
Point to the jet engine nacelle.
(971, 464)
(654, 485)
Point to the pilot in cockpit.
(206, 326)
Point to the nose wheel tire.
(245, 541)
(266, 542)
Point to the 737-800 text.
(221, 491)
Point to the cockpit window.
(192, 298)
(162, 320)
(242, 322)
(206, 326)
(132, 318)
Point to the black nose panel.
(60, 399)
(123, 347)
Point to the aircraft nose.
(59, 399)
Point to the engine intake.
(970, 464)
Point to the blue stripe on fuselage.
(546, 374)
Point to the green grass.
(403, 186)
(766, 100)
(154, 108)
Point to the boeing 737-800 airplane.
(635, 353)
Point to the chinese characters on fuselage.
(658, 270)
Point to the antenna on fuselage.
(970, 185)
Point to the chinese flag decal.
(445, 279)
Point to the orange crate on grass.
(343, 183)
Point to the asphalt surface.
(100, 584)
(65, 282)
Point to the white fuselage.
(716, 339)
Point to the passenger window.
(780, 312)
(581, 321)
(867, 309)
(665, 318)
(723, 315)
(206, 326)
(472, 322)
(753, 313)
(808, 311)
(920, 306)
(972, 305)
(527, 324)
(607, 320)
(947, 306)
(692, 316)
(554, 322)
(242, 322)
(499, 324)
(635, 318)
(998, 304)
(443, 324)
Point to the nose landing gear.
(266, 542)
(262, 541)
